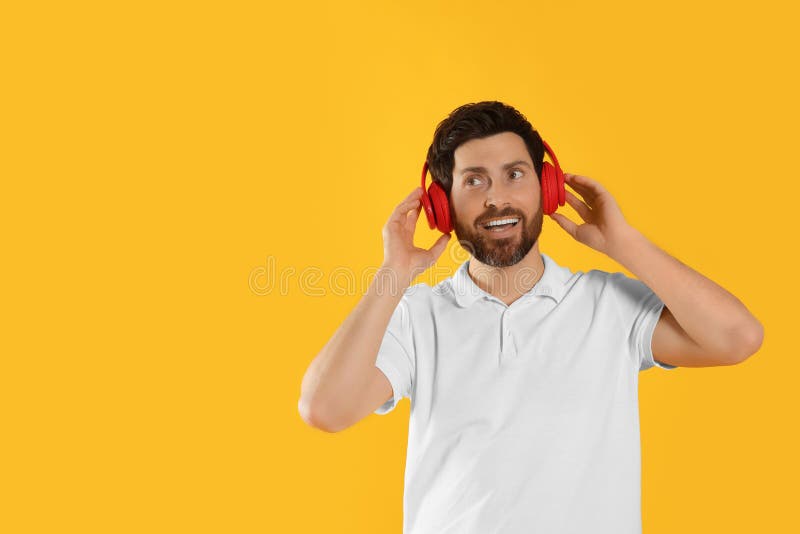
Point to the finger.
(585, 191)
(586, 182)
(407, 205)
(410, 200)
(438, 247)
(412, 216)
(415, 193)
(570, 227)
(577, 204)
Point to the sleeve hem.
(651, 321)
(394, 379)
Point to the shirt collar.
(553, 283)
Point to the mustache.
(508, 212)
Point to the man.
(522, 374)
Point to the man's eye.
(520, 172)
(473, 180)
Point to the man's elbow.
(312, 417)
(748, 342)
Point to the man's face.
(496, 192)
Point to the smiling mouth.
(498, 225)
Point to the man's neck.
(508, 283)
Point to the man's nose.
(497, 196)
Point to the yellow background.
(155, 156)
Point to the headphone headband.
(552, 155)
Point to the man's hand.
(400, 254)
(605, 228)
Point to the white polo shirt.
(524, 418)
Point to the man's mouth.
(498, 225)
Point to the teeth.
(502, 221)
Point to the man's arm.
(341, 379)
(701, 324)
(332, 385)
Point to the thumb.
(569, 226)
(438, 247)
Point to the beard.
(499, 252)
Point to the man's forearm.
(714, 318)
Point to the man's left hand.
(605, 228)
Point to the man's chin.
(500, 261)
(498, 252)
(503, 252)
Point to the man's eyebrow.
(505, 167)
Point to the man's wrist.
(629, 244)
(393, 279)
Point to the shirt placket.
(508, 348)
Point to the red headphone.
(437, 209)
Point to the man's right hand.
(399, 253)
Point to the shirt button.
(545, 290)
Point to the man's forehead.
(497, 151)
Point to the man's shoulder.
(603, 278)
(425, 293)
(580, 284)
(600, 285)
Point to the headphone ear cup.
(426, 205)
(548, 188)
(441, 208)
(562, 192)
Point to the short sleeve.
(396, 356)
(640, 309)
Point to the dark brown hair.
(476, 121)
